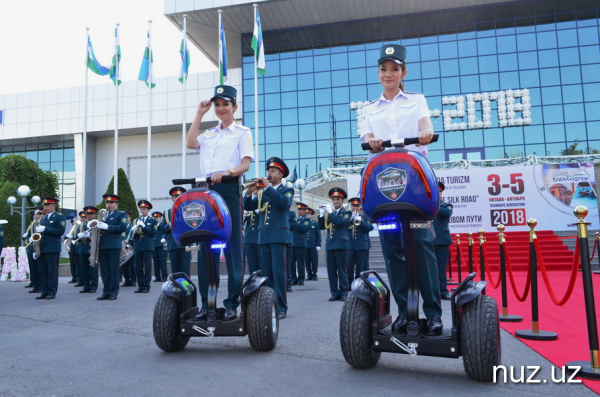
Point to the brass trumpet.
(357, 219)
(254, 181)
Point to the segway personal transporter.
(399, 193)
(201, 220)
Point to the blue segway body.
(200, 215)
(399, 182)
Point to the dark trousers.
(159, 256)
(298, 264)
(233, 250)
(109, 269)
(393, 249)
(337, 272)
(128, 270)
(358, 261)
(253, 257)
(88, 275)
(288, 263)
(312, 262)
(73, 264)
(274, 267)
(441, 254)
(34, 272)
(180, 261)
(143, 268)
(48, 271)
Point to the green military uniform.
(358, 256)
(110, 249)
(128, 268)
(52, 227)
(442, 241)
(300, 244)
(72, 259)
(337, 246)
(159, 256)
(143, 247)
(180, 258)
(251, 247)
(88, 275)
(289, 251)
(34, 272)
(312, 253)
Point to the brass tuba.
(68, 241)
(95, 237)
(36, 238)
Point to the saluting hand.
(204, 107)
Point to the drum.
(126, 253)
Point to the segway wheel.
(480, 338)
(263, 319)
(356, 336)
(165, 325)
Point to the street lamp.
(23, 191)
(300, 184)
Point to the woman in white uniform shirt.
(225, 150)
(400, 114)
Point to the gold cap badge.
(389, 50)
(220, 90)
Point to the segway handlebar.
(196, 181)
(399, 142)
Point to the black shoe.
(84, 291)
(445, 296)
(42, 296)
(102, 297)
(164, 279)
(157, 280)
(301, 282)
(30, 285)
(294, 282)
(126, 284)
(434, 326)
(72, 281)
(230, 314)
(79, 285)
(145, 290)
(35, 291)
(92, 291)
(201, 315)
(343, 298)
(315, 278)
(112, 297)
(334, 298)
(399, 326)
(133, 284)
(289, 289)
(50, 296)
(137, 291)
(282, 315)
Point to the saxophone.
(36, 238)
(95, 238)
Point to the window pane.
(526, 42)
(358, 76)
(553, 114)
(528, 60)
(468, 66)
(546, 40)
(467, 48)
(430, 69)
(322, 63)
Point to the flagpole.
(85, 109)
(256, 162)
(149, 165)
(220, 49)
(115, 169)
(183, 129)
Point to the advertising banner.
(483, 198)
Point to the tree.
(12, 230)
(127, 202)
(572, 150)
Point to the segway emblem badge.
(193, 214)
(392, 183)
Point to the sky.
(43, 42)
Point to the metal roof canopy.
(238, 16)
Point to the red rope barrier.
(512, 280)
(488, 272)
(594, 250)
(572, 279)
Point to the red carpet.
(568, 321)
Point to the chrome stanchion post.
(505, 316)
(470, 240)
(598, 248)
(450, 279)
(481, 259)
(588, 369)
(534, 333)
(458, 258)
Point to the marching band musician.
(128, 269)
(88, 275)
(313, 247)
(442, 241)
(273, 203)
(110, 246)
(142, 233)
(180, 258)
(75, 263)
(336, 220)
(52, 227)
(289, 251)
(251, 247)
(358, 256)
(159, 256)
(299, 244)
(72, 259)
(225, 150)
(34, 273)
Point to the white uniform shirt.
(221, 150)
(395, 119)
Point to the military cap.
(128, 213)
(278, 163)
(337, 192)
(354, 201)
(301, 206)
(393, 52)
(144, 204)
(176, 191)
(156, 214)
(111, 197)
(310, 211)
(81, 213)
(226, 92)
(90, 209)
(441, 185)
(48, 200)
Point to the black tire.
(262, 319)
(356, 336)
(480, 338)
(165, 325)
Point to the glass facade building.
(314, 73)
